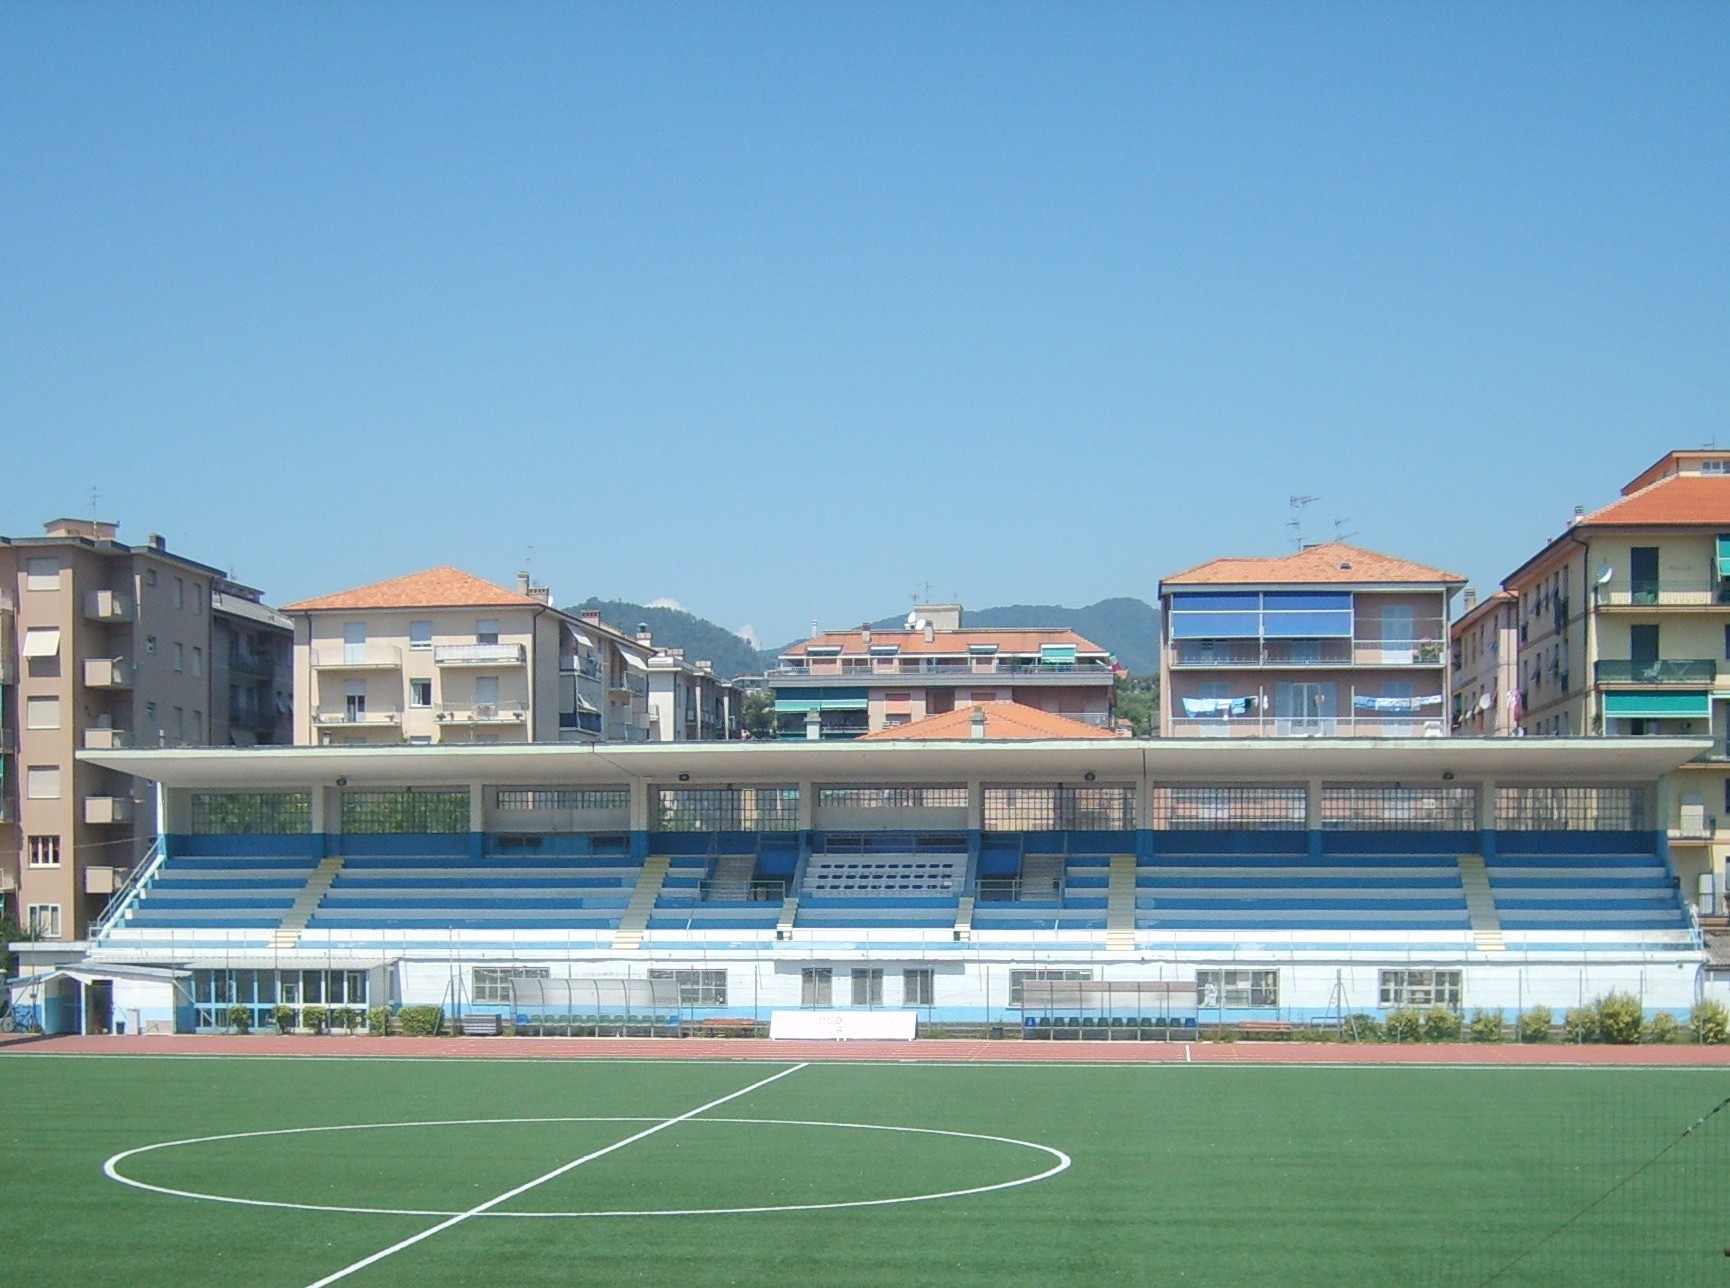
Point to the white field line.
(508, 1195)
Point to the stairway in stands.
(1481, 903)
(287, 934)
(635, 919)
(731, 881)
(1041, 876)
(1120, 905)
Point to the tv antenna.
(1339, 530)
(925, 587)
(1294, 525)
(95, 503)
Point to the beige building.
(104, 646)
(1330, 641)
(443, 656)
(842, 684)
(1624, 628)
(1484, 646)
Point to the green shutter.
(1658, 705)
(1724, 556)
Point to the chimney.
(1471, 599)
(813, 726)
(645, 637)
(590, 615)
(157, 540)
(527, 587)
(930, 632)
(977, 722)
(1579, 515)
(865, 634)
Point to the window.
(42, 782)
(867, 986)
(816, 986)
(917, 986)
(381, 813)
(44, 920)
(492, 984)
(179, 656)
(564, 798)
(197, 725)
(1019, 977)
(487, 631)
(420, 634)
(41, 641)
(42, 573)
(177, 726)
(197, 598)
(180, 592)
(150, 576)
(150, 715)
(486, 694)
(150, 643)
(44, 851)
(251, 813)
(697, 987)
(896, 721)
(1237, 988)
(42, 712)
(420, 693)
(197, 660)
(1421, 988)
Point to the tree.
(760, 713)
(1138, 702)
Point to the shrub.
(1663, 1029)
(1620, 1018)
(347, 1017)
(283, 1018)
(1403, 1025)
(1709, 1022)
(421, 1021)
(1580, 1024)
(1486, 1026)
(315, 1018)
(1361, 1027)
(1535, 1025)
(1441, 1025)
(240, 1019)
(378, 1021)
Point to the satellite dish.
(912, 621)
(1604, 575)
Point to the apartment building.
(105, 646)
(1484, 650)
(1330, 641)
(1624, 628)
(443, 656)
(842, 684)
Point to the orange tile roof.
(1003, 721)
(1676, 500)
(949, 642)
(435, 588)
(1331, 563)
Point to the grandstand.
(1264, 882)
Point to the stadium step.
(635, 919)
(789, 915)
(287, 932)
(1481, 904)
(964, 919)
(730, 882)
(1120, 905)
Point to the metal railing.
(1700, 829)
(1341, 652)
(1669, 670)
(479, 655)
(481, 712)
(756, 890)
(120, 903)
(1665, 594)
(339, 657)
(385, 716)
(1309, 727)
(899, 668)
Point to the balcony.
(480, 655)
(1671, 670)
(107, 673)
(1402, 726)
(482, 712)
(107, 809)
(101, 739)
(356, 657)
(911, 670)
(1697, 828)
(1666, 594)
(349, 716)
(104, 880)
(109, 606)
(262, 665)
(1202, 654)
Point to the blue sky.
(781, 311)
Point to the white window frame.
(38, 779)
(1237, 988)
(867, 986)
(43, 851)
(491, 985)
(42, 711)
(43, 920)
(918, 986)
(816, 986)
(416, 686)
(1421, 987)
(697, 987)
(42, 572)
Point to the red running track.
(955, 1051)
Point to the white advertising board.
(842, 1026)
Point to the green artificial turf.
(1181, 1174)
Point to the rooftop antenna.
(924, 586)
(1295, 524)
(1339, 533)
(95, 503)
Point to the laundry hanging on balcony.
(1218, 707)
(1363, 702)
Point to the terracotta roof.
(1003, 721)
(435, 588)
(1679, 499)
(852, 643)
(1331, 563)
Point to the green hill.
(701, 639)
(1129, 628)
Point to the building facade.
(105, 646)
(1483, 648)
(1331, 641)
(842, 684)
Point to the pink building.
(1331, 641)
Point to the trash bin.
(120, 1027)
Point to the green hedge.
(421, 1021)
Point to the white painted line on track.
(575, 1163)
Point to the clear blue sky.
(781, 310)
